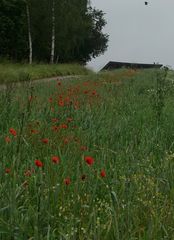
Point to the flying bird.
(146, 3)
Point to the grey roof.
(115, 65)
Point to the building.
(118, 65)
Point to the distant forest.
(54, 31)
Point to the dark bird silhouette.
(146, 3)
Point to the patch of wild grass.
(124, 121)
(25, 72)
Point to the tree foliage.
(78, 30)
(13, 29)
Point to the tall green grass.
(25, 72)
(116, 116)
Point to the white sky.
(138, 33)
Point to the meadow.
(89, 158)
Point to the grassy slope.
(19, 72)
(125, 120)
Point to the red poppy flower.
(50, 99)
(38, 163)
(7, 139)
(67, 181)
(94, 92)
(64, 126)
(45, 140)
(7, 170)
(59, 83)
(13, 131)
(103, 173)
(55, 159)
(89, 160)
(61, 103)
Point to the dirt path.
(37, 81)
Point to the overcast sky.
(138, 33)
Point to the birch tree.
(29, 33)
(53, 33)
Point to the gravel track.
(6, 86)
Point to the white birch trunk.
(53, 34)
(29, 35)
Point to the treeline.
(51, 31)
